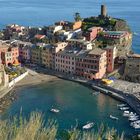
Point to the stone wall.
(132, 69)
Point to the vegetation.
(77, 17)
(107, 23)
(34, 128)
(14, 72)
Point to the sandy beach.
(34, 78)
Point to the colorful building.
(117, 37)
(10, 56)
(65, 61)
(36, 53)
(24, 51)
(80, 43)
(60, 46)
(70, 25)
(47, 57)
(111, 55)
(91, 64)
(92, 33)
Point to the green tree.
(77, 16)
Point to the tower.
(103, 11)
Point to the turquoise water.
(46, 12)
(75, 103)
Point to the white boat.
(128, 114)
(88, 126)
(121, 105)
(95, 93)
(124, 108)
(133, 118)
(136, 126)
(55, 110)
(113, 117)
(135, 122)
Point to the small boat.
(128, 114)
(124, 108)
(113, 117)
(121, 105)
(55, 110)
(135, 122)
(95, 93)
(134, 115)
(88, 126)
(136, 126)
(133, 118)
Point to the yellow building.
(47, 57)
(36, 53)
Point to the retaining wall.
(13, 82)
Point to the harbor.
(67, 101)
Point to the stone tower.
(103, 11)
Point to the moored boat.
(88, 126)
(95, 93)
(113, 117)
(135, 122)
(124, 108)
(136, 126)
(54, 110)
(128, 114)
(121, 105)
(133, 118)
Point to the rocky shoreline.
(7, 100)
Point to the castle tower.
(103, 11)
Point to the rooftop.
(94, 27)
(71, 53)
(79, 41)
(96, 51)
(110, 47)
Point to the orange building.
(77, 25)
(10, 55)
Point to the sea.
(74, 101)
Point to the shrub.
(35, 129)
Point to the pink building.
(10, 56)
(60, 46)
(24, 50)
(92, 33)
(91, 64)
(65, 62)
(111, 55)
